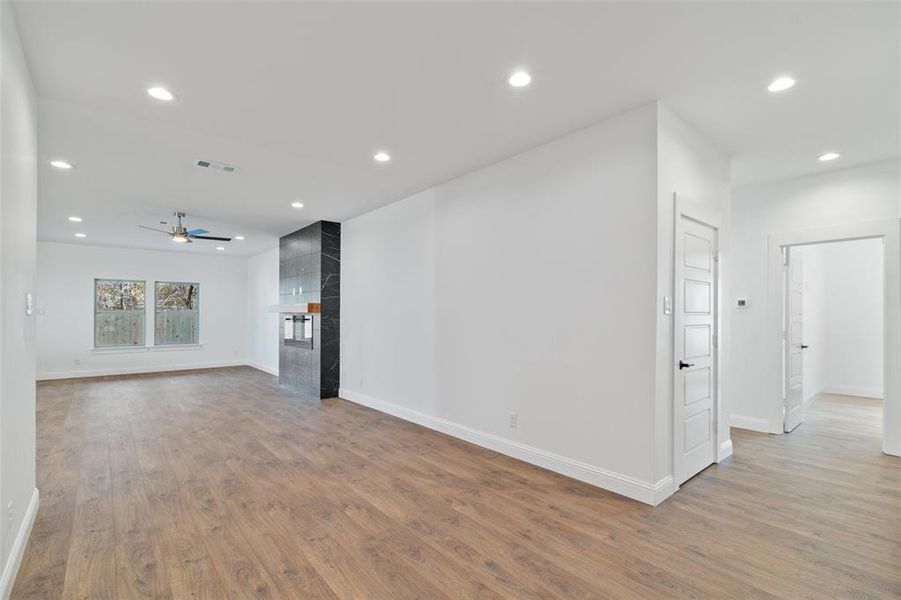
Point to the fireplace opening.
(297, 330)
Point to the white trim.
(752, 423)
(809, 399)
(133, 370)
(725, 451)
(135, 349)
(120, 350)
(18, 550)
(890, 232)
(649, 493)
(175, 347)
(845, 390)
(263, 368)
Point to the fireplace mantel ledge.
(305, 308)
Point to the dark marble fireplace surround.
(310, 271)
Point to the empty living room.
(439, 299)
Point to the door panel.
(697, 429)
(794, 335)
(697, 341)
(697, 386)
(694, 327)
(697, 296)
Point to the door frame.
(712, 217)
(890, 232)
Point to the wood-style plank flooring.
(219, 484)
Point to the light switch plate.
(667, 305)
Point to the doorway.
(696, 326)
(784, 343)
(834, 334)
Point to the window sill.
(121, 350)
(136, 349)
(174, 347)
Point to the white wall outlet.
(29, 304)
(77, 361)
(514, 420)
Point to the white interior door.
(794, 339)
(694, 348)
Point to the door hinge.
(716, 341)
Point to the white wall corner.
(18, 550)
(663, 489)
(812, 396)
(262, 367)
(752, 423)
(725, 451)
(648, 493)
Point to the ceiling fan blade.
(194, 232)
(153, 229)
(209, 237)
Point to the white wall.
(846, 325)
(18, 231)
(65, 330)
(262, 326)
(527, 287)
(846, 196)
(689, 165)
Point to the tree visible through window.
(177, 313)
(118, 313)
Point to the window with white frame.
(177, 317)
(118, 313)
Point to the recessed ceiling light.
(382, 157)
(161, 93)
(75, 219)
(519, 79)
(297, 204)
(829, 156)
(60, 164)
(239, 237)
(81, 235)
(780, 84)
(220, 247)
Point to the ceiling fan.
(181, 235)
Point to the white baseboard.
(725, 451)
(811, 397)
(844, 390)
(18, 550)
(262, 367)
(76, 373)
(649, 493)
(752, 423)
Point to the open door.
(694, 381)
(793, 334)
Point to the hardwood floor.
(219, 484)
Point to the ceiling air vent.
(212, 164)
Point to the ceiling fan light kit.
(181, 235)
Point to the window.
(177, 313)
(118, 313)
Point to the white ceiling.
(300, 95)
